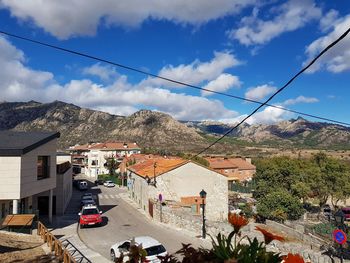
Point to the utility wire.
(277, 92)
(166, 79)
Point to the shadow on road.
(105, 208)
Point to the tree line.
(284, 187)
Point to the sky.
(247, 48)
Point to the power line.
(277, 92)
(167, 79)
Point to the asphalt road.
(122, 221)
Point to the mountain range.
(159, 131)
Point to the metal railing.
(64, 250)
(74, 252)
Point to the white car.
(109, 184)
(152, 247)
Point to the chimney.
(125, 145)
(248, 159)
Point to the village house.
(28, 168)
(235, 169)
(178, 180)
(91, 159)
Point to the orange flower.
(293, 258)
(269, 236)
(237, 221)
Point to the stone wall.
(305, 245)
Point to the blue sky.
(248, 48)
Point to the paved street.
(122, 221)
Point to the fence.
(241, 188)
(64, 251)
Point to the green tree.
(280, 205)
(111, 165)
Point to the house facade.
(92, 158)
(63, 191)
(177, 179)
(235, 169)
(28, 168)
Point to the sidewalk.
(204, 242)
(65, 228)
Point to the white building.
(99, 153)
(178, 180)
(27, 168)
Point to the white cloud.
(271, 115)
(105, 73)
(288, 17)
(328, 20)
(66, 18)
(300, 99)
(196, 72)
(337, 59)
(222, 83)
(259, 92)
(20, 83)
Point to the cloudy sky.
(247, 48)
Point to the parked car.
(109, 184)
(99, 182)
(346, 211)
(82, 185)
(152, 247)
(86, 202)
(90, 215)
(87, 195)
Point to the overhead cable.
(168, 79)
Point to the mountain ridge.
(160, 131)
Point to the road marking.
(100, 196)
(112, 196)
(106, 196)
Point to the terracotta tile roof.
(146, 167)
(115, 146)
(230, 163)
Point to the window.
(43, 167)
(155, 250)
(3, 210)
(125, 246)
(94, 162)
(91, 211)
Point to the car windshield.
(155, 250)
(91, 211)
(346, 211)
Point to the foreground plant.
(233, 248)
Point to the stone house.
(27, 169)
(177, 180)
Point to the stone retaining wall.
(307, 246)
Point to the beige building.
(178, 179)
(27, 168)
(63, 191)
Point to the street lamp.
(203, 195)
(339, 217)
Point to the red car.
(346, 211)
(90, 215)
